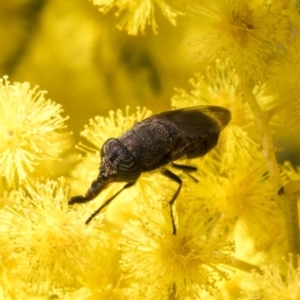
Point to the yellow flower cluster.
(32, 132)
(271, 284)
(138, 13)
(247, 33)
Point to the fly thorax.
(150, 143)
(118, 163)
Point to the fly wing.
(198, 120)
(199, 128)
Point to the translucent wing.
(199, 128)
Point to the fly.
(152, 144)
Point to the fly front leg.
(177, 179)
(96, 212)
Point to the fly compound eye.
(102, 152)
(106, 147)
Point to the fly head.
(117, 165)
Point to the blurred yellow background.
(77, 54)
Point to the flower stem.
(244, 266)
(265, 134)
(288, 208)
(289, 194)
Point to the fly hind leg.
(177, 179)
(186, 169)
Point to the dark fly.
(152, 144)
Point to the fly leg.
(177, 179)
(96, 212)
(186, 169)
(81, 199)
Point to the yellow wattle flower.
(272, 284)
(32, 130)
(183, 265)
(244, 32)
(137, 14)
(48, 246)
(10, 289)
